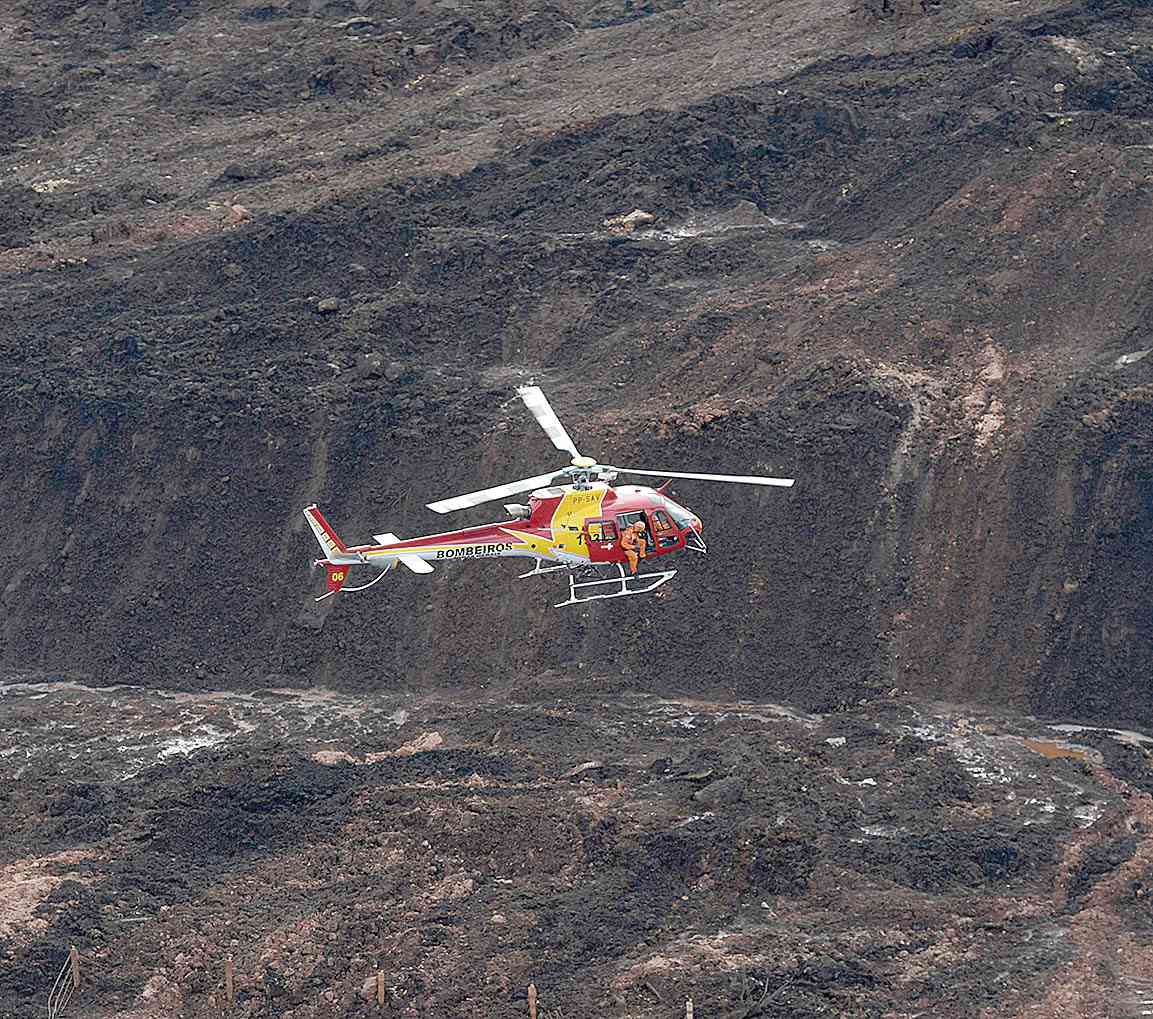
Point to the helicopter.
(573, 527)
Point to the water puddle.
(1015, 762)
(1053, 749)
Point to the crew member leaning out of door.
(633, 543)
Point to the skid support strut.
(625, 585)
(539, 569)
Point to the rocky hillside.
(254, 255)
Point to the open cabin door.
(661, 534)
(666, 536)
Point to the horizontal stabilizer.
(413, 562)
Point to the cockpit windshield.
(688, 523)
(680, 515)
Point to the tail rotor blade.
(491, 494)
(736, 479)
(541, 409)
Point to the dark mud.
(842, 285)
(758, 860)
(258, 255)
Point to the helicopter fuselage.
(565, 524)
(572, 528)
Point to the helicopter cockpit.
(688, 522)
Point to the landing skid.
(626, 585)
(540, 570)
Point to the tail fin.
(337, 575)
(330, 544)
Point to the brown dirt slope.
(900, 254)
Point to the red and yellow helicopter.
(575, 526)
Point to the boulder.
(629, 221)
(722, 791)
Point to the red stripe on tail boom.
(327, 528)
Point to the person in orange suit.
(633, 543)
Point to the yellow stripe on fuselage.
(568, 519)
(416, 550)
(566, 532)
(537, 544)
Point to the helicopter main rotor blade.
(490, 494)
(735, 479)
(537, 402)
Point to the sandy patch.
(25, 884)
(424, 742)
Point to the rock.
(48, 187)
(368, 988)
(582, 768)
(743, 215)
(722, 791)
(1125, 359)
(629, 222)
(370, 365)
(424, 742)
(360, 26)
(451, 888)
(334, 757)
